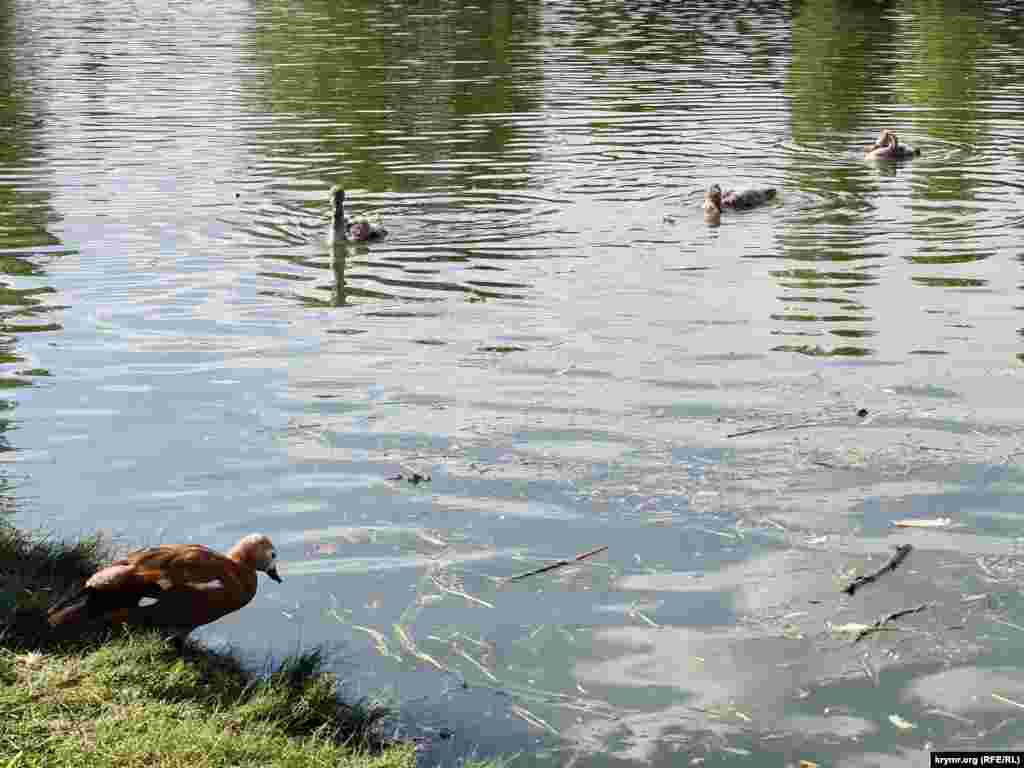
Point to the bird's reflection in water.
(339, 255)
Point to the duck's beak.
(272, 573)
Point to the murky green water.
(556, 337)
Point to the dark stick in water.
(891, 617)
(901, 552)
(559, 564)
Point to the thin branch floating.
(901, 553)
(559, 564)
(755, 430)
(891, 617)
(861, 414)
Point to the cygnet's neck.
(338, 224)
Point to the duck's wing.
(143, 578)
(196, 586)
(168, 566)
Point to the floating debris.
(460, 593)
(415, 478)
(950, 715)
(901, 553)
(852, 628)
(559, 564)
(379, 640)
(635, 613)
(483, 670)
(938, 522)
(410, 647)
(899, 722)
(880, 624)
(1005, 700)
(1009, 624)
(430, 539)
(533, 719)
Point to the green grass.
(130, 699)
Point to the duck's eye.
(273, 555)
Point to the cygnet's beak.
(272, 573)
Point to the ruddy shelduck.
(888, 147)
(715, 200)
(358, 228)
(174, 587)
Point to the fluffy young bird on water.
(715, 200)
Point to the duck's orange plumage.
(175, 587)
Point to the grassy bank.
(129, 699)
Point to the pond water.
(556, 338)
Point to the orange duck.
(175, 587)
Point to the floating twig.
(636, 613)
(486, 672)
(1005, 700)
(861, 414)
(379, 640)
(891, 617)
(459, 593)
(869, 671)
(559, 564)
(772, 427)
(901, 553)
(413, 477)
(409, 646)
(938, 522)
(533, 720)
(1009, 624)
(931, 448)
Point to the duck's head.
(257, 551)
(713, 198)
(360, 230)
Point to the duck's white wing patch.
(145, 602)
(207, 586)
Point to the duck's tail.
(70, 610)
(89, 605)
